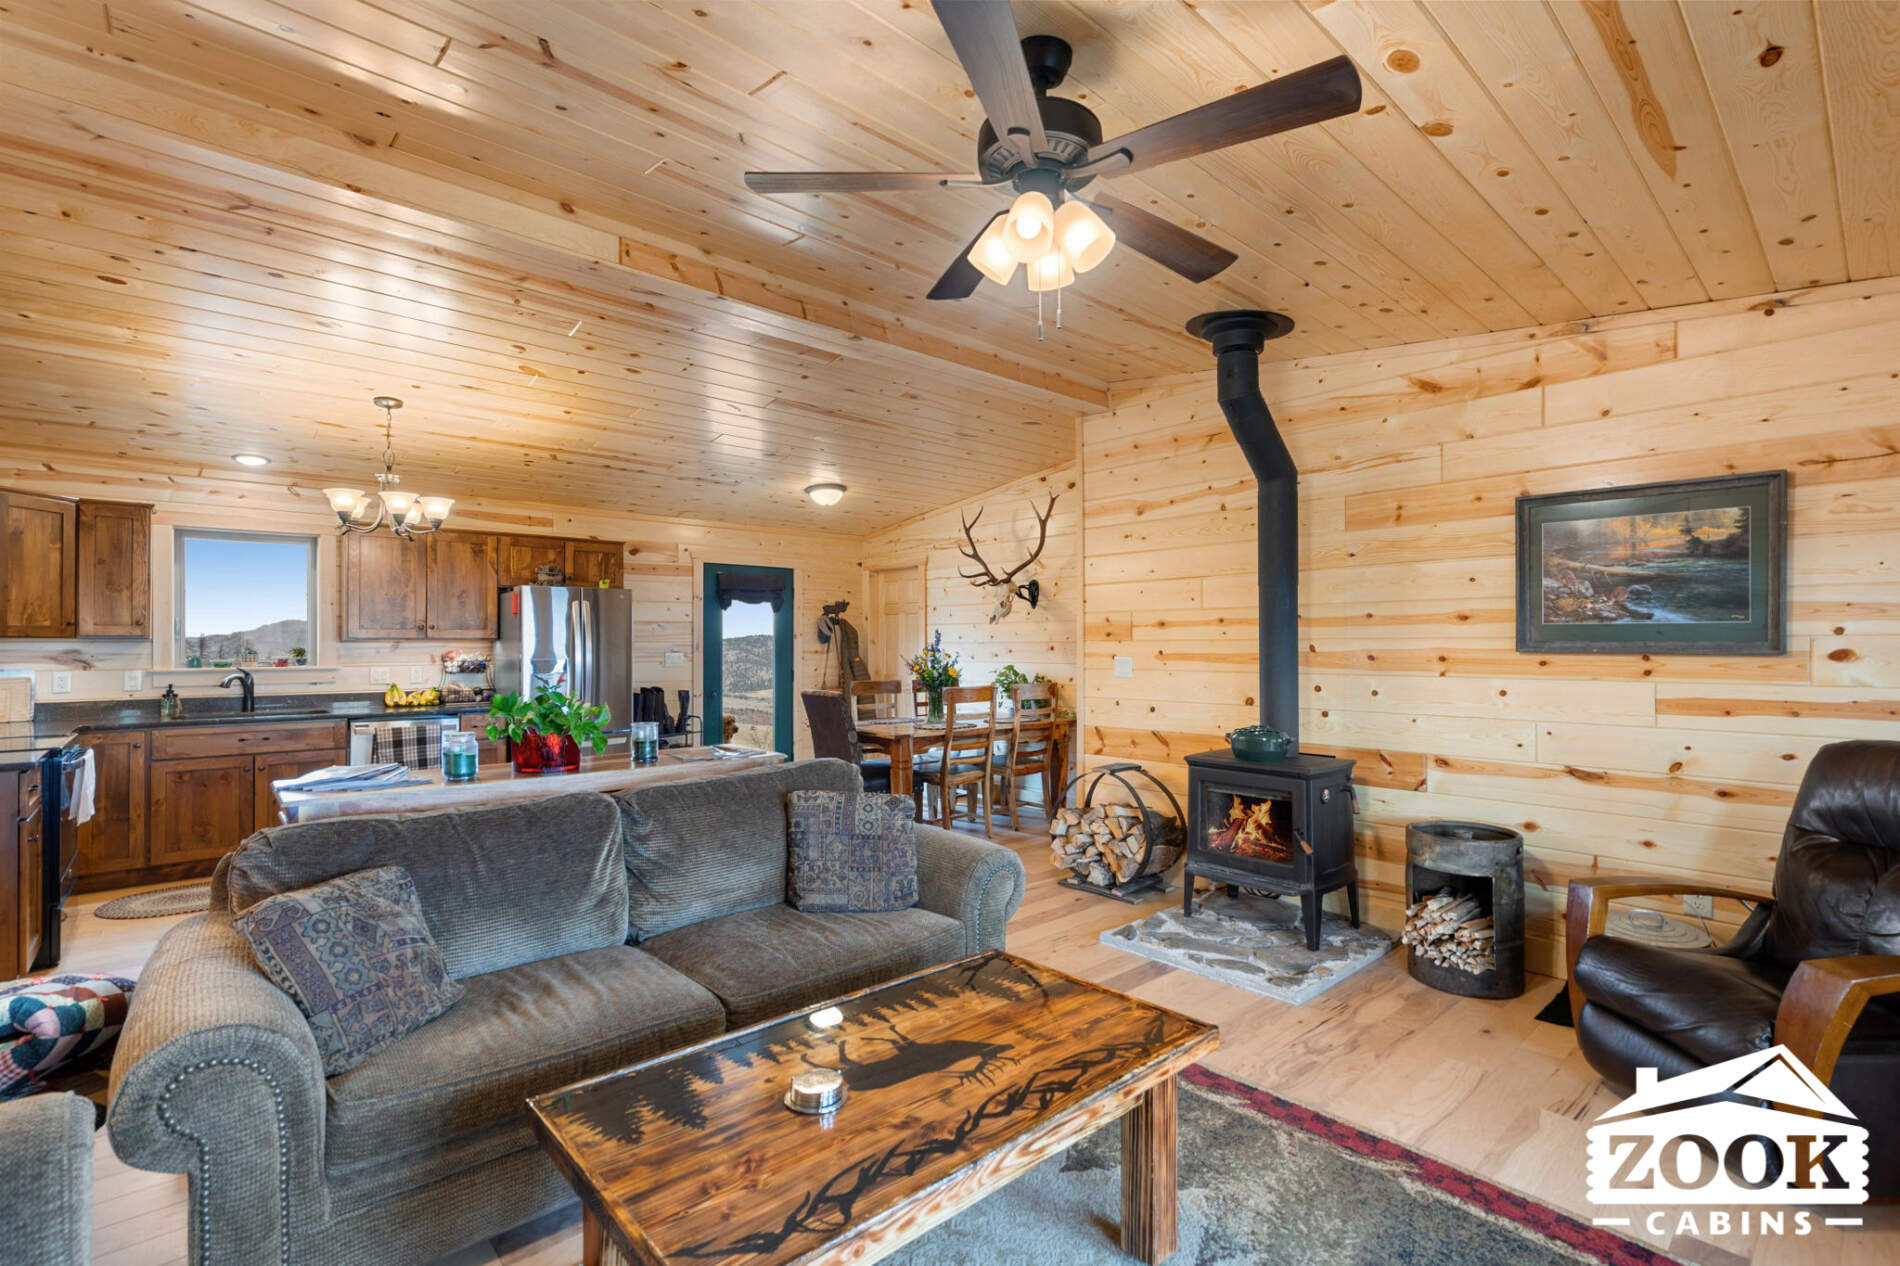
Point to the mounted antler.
(1031, 592)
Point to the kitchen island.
(500, 784)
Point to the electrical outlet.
(134, 680)
(1124, 666)
(1700, 904)
(62, 683)
(418, 676)
(379, 676)
(675, 659)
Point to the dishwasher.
(363, 736)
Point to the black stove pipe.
(1237, 337)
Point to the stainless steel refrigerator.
(579, 641)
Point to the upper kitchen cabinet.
(591, 562)
(115, 569)
(385, 587)
(522, 555)
(462, 584)
(39, 546)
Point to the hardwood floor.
(1481, 1085)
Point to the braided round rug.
(158, 903)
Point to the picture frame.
(1688, 567)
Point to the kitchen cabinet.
(267, 769)
(385, 587)
(114, 582)
(39, 575)
(114, 840)
(201, 808)
(590, 562)
(22, 903)
(462, 584)
(489, 752)
(522, 555)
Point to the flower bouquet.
(934, 669)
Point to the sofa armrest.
(1822, 1001)
(46, 1189)
(217, 1076)
(1588, 907)
(978, 883)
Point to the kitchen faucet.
(243, 677)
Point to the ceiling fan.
(1046, 148)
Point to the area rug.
(158, 903)
(1255, 943)
(1265, 1182)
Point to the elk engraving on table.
(1030, 593)
(910, 1059)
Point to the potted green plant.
(299, 656)
(546, 732)
(935, 669)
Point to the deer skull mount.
(1005, 584)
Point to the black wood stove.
(1280, 826)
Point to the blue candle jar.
(461, 757)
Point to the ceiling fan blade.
(961, 279)
(983, 32)
(853, 181)
(1169, 245)
(1322, 91)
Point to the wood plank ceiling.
(230, 222)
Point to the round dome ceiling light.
(826, 494)
(250, 459)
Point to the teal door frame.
(713, 624)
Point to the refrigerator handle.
(585, 612)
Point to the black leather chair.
(1815, 968)
(834, 732)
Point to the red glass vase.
(547, 754)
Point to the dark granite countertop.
(22, 743)
(142, 714)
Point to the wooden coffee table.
(961, 1078)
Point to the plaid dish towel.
(417, 746)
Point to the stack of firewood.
(1106, 843)
(1451, 930)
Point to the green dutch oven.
(1260, 742)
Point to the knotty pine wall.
(1046, 640)
(662, 567)
(1411, 461)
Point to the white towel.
(85, 783)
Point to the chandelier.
(407, 514)
(1052, 243)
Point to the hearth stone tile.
(1254, 943)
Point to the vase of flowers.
(935, 669)
(545, 733)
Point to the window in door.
(748, 640)
(243, 597)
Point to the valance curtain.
(739, 587)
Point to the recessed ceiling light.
(825, 494)
(250, 459)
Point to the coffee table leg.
(1149, 1208)
(591, 1239)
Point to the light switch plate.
(134, 680)
(1124, 666)
(418, 676)
(62, 683)
(379, 676)
(675, 659)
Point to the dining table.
(904, 739)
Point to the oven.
(59, 845)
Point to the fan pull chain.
(1039, 316)
(1058, 307)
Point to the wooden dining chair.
(919, 699)
(1029, 746)
(876, 700)
(965, 761)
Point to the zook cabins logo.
(1759, 1130)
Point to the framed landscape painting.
(1688, 568)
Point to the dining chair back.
(919, 698)
(1029, 747)
(876, 700)
(834, 733)
(964, 762)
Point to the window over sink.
(244, 598)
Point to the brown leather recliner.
(1815, 968)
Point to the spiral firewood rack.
(1147, 878)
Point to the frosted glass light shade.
(345, 501)
(1081, 236)
(413, 518)
(436, 509)
(1052, 272)
(1029, 230)
(829, 494)
(398, 503)
(990, 256)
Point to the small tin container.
(816, 1093)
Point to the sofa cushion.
(500, 886)
(518, 1032)
(765, 962)
(356, 957)
(852, 852)
(711, 846)
(1710, 1005)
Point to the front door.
(748, 649)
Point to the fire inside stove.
(1258, 828)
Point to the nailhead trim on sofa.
(203, 1187)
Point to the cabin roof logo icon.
(1757, 1129)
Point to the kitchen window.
(244, 598)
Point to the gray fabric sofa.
(589, 932)
(46, 1186)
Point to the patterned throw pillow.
(853, 852)
(50, 1021)
(356, 955)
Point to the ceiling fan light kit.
(1044, 148)
(406, 513)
